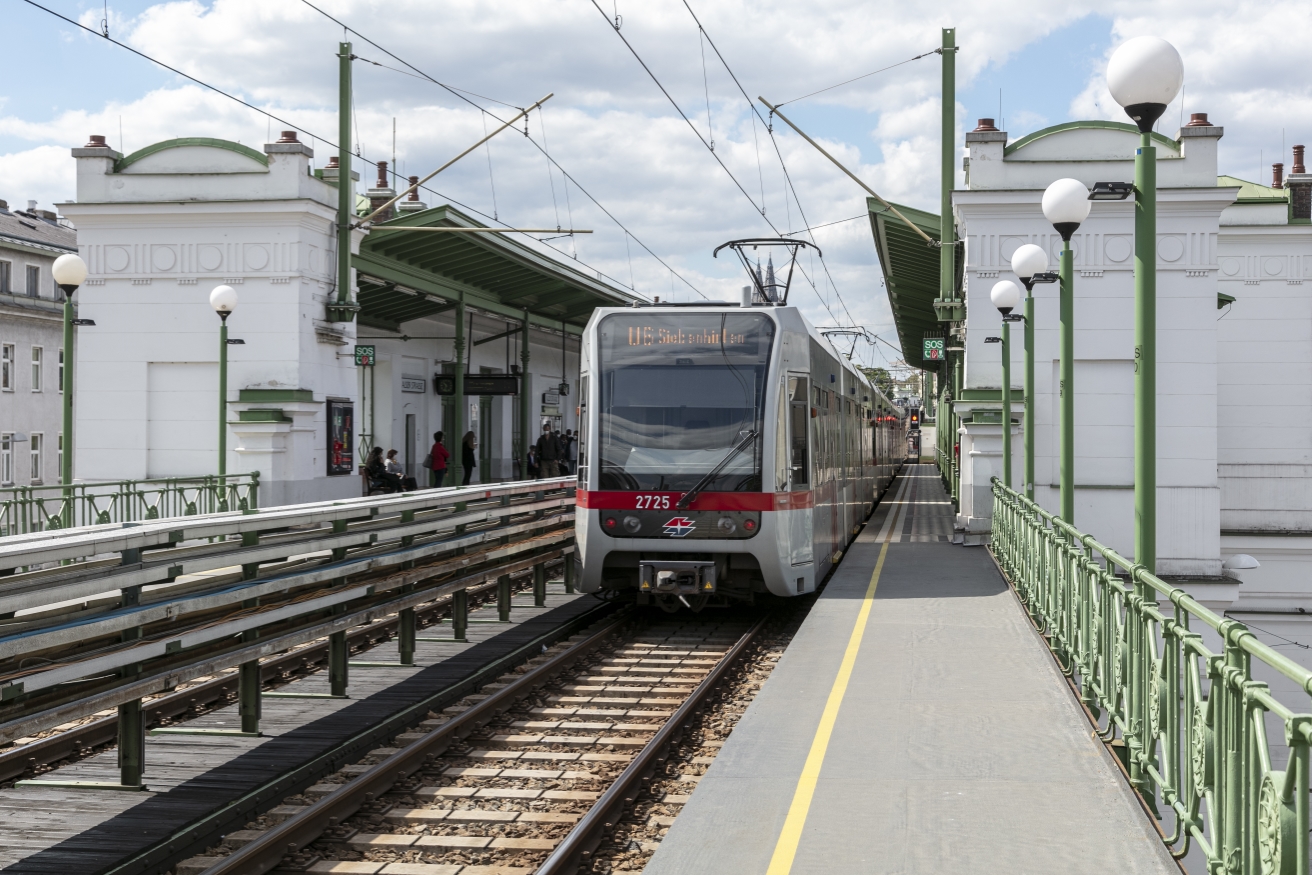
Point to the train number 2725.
(653, 502)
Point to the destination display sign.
(674, 338)
(478, 384)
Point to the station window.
(6, 276)
(33, 281)
(7, 367)
(36, 444)
(6, 458)
(37, 356)
(60, 387)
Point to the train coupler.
(676, 577)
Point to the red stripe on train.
(758, 501)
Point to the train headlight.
(632, 524)
(727, 525)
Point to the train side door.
(800, 543)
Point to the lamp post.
(70, 272)
(1030, 264)
(1144, 75)
(1005, 297)
(1066, 205)
(224, 300)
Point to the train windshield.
(680, 394)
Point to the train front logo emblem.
(679, 526)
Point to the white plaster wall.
(1000, 212)
(157, 240)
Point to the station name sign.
(478, 384)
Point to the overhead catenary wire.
(457, 93)
(862, 76)
(782, 164)
(316, 138)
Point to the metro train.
(724, 451)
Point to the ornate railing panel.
(26, 509)
(1205, 742)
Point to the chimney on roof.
(412, 204)
(288, 137)
(985, 124)
(332, 162)
(31, 206)
(1198, 120)
(97, 141)
(1299, 184)
(381, 194)
(1278, 175)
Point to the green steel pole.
(954, 439)
(1145, 353)
(947, 232)
(1029, 395)
(458, 408)
(345, 190)
(1067, 383)
(525, 402)
(66, 466)
(223, 397)
(1006, 404)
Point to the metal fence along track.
(1197, 709)
(97, 618)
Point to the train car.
(725, 451)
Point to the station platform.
(915, 724)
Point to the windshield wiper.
(687, 498)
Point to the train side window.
(583, 432)
(799, 462)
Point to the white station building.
(1234, 348)
(160, 228)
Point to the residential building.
(31, 345)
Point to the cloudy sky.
(1030, 63)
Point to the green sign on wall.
(933, 349)
(364, 356)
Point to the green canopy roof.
(911, 272)
(405, 275)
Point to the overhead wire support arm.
(894, 210)
(523, 113)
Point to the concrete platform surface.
(956, 746)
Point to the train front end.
(675, 499)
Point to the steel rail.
(588, 833)
(16, 762)
(303, 828)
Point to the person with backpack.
(549, 453)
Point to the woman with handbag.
(437, 460)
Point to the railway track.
(533, 774)
(29, 758)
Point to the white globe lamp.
(1144, 75)
(1005, 296)
(1027, 261)
(1066, 205)
(69, 271)
(224, 300)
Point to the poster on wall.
(341, 442)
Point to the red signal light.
(610, 522)
(750, 525)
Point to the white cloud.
(612, 128)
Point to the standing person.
(549, 453)
(571, 452)
(438, 457)
(467, 455)
(532, 463)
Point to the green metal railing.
(26, 509)
(1202, 739)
